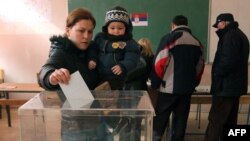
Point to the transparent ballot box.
(111, 116)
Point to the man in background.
(229, 76)
(177, 70)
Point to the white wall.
(239, 8)
(26, 26)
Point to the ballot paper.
(77, 92)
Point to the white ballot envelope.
(77, 92)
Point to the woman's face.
(81, 33)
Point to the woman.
(137, 80)
(69, 53)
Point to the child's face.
(116, 28)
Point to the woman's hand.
(61, 75)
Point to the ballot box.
(111, 116)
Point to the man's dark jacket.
(230, 66)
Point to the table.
(202, 96)
(7, 88)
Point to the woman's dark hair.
(79, 14)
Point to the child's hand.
(117, 70)
(92, 65)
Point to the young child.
(118, 53)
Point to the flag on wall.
(139, 19)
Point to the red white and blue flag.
(139, 19)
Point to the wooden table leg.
(8, 115)
(8, 110)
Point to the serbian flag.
(139, 19)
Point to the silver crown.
(117, 15)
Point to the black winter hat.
(117, 14)
(223, 17)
